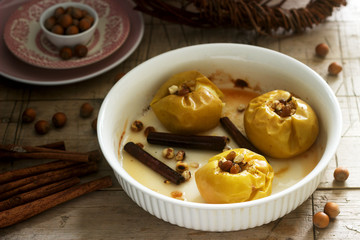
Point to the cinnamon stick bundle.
(30, 152)
(45, 167)
(28, 210)
(38, 193)
(51, 176)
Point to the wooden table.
(110, 214)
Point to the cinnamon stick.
(33, 181)
(153, 163)
(28, 210)
(60, 145)
(235, 133)
(29, 171)
(38, 193)
(30, 152)
(216, 143)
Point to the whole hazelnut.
(65, 20)
(57, 29)
(322, 49)
(332, 209)
(66, 53)
(321, 220)
(86, 110)
(28, 115)
(80, 50)
(42, 127)
(59, 119)
(341, 174)
(84, 24)
(334, 68)
(71, 30)
(50, 22)
(59, 11)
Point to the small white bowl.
(69, 40)
(261, 67)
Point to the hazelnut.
(66, 53)
(322, 49)
(181, 166)
(225, 165)
(28, 115)
(94, 124)
(334, 68)
(59, 119)
(71, 30)
(231, 156)
(168, 153)
(194, 165)
(176, 194)
(49, 23)
(86, 110)
(140, 144)
(65, 20)
(84, 24)
(137, 126)
(332, 209)
(89, 17)
(235, 169)
(180, 155)
(149, 130)
(77, 13)
(186, 174)
(42, 127)
(80, 50)
(59, 11)
(57, 29)
(341, 174)
(321, 220)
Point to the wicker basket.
(263, 16)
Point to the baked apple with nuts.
(188, 103)
(280, 125)
(236, 175)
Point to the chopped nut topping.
(137, 126)
(284, 108)
(239, 158)
(186, 174)
(180, 155)
(241, 107)
(173, 89)
(167, 181)
(194, 165)
(140, 144)
(184, 89)
(149, 130)
(168, 153)
(176, 194)
(231, 156)
(181, 166)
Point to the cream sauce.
(287, 171)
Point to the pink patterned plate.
(24, 38)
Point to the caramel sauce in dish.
(287, 171)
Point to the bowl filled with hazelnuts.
(69, 24)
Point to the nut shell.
(28, 115)
(42, 127)
(59, 119)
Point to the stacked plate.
(27, 56)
